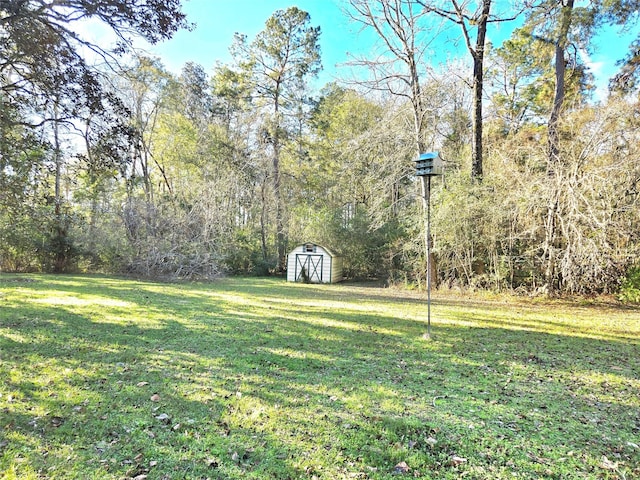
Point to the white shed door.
(309, 265)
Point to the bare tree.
(470, 16)
(397, 24)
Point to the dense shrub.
(630, 288)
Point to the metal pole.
(428, 195)
(426, 203)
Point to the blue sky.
(218, 20)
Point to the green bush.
(243, 255)
(630, 288)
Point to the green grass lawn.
(104, 378)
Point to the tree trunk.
(263, 221)
(280, 237)
(553, 153)
(60, 231)
(478, 81)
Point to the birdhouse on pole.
(429, 164)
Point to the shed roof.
(329, 252)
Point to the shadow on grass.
(260, 380)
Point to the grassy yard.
(104, 378)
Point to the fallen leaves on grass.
(57, 421)
(608, 464)
(431, 442)
(457, 461)
(401, 468)
(163, 417)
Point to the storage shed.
(314, 264)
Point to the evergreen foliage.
(630, 289)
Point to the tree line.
(109, 162)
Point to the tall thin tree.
(279, 59)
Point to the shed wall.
(321, 265)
